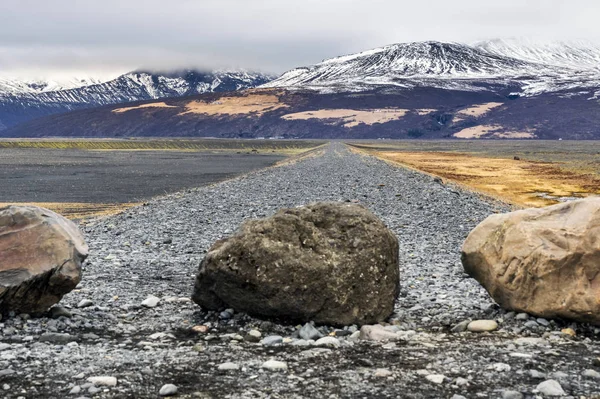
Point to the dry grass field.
(284, 147)
(523, 173)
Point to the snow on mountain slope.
(22, 100)
(575, 54)
(398, 64)
(535, 70)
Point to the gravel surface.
(130, 330)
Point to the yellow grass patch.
(77, 210)
(479, 109)
(350, 117)
(161, 104)
(252, 104)
(516, 181)
(492, 131)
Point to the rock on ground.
(334, 263)
(540, 261)
(40, 258)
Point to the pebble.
(75, 390)
(512, 395)
(253, 336)
(330, 342)
(461, 327)
(151, 301)
(272, 340)
(522, 316)
(436, 378)
(85, 303)
(382, 373)
(376, 333)
(274, 365)
(59, 311)
(482, 325)
(57, 338)
(589, 373)
(103, 381)
(228, 366)
(168, 390)
(308, 331)
(550, 388)
(568, 331)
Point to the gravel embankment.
(156, 249)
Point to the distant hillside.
(497, 89)
(412, 113)
(21, 101)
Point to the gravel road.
(155, 250)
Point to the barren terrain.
(542, 173)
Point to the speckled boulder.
(40, 258)
(333, 263)
(545, 261)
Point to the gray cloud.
(39, 37)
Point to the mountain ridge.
(24, 103)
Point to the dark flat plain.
(81, 176)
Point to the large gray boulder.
(333, 263)
(545, 261)
(40, 258)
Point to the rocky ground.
(130, 330)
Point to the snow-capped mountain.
(574, 55)
(548, 68)
(32, 87)
(24, 100)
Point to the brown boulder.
(333, 263)
(40, 258)
(545, 261)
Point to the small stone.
(537, 374)
(589, 373)
(75, 390)
(93, 390)
(253, 336)
(85, 303)
(382, 373)
(522, 316)
(482, 325)
(568, 331)
(59, 311)
(151, 301)
(376, 333)
(501, 367)
(308, 331)
(543, 322)
(330, 342)
(532, 324)
(198, 348)
(168, 390)
(460, 327)
(272, 340)
(436, 378)
(461, 382)
(550, 388)
(106, 381)
(225, 315)
(200, 329)
(512, 395)
(57, 338)
(455, 396)
(274, 365)
(228, 366)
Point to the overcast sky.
(40, 38)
